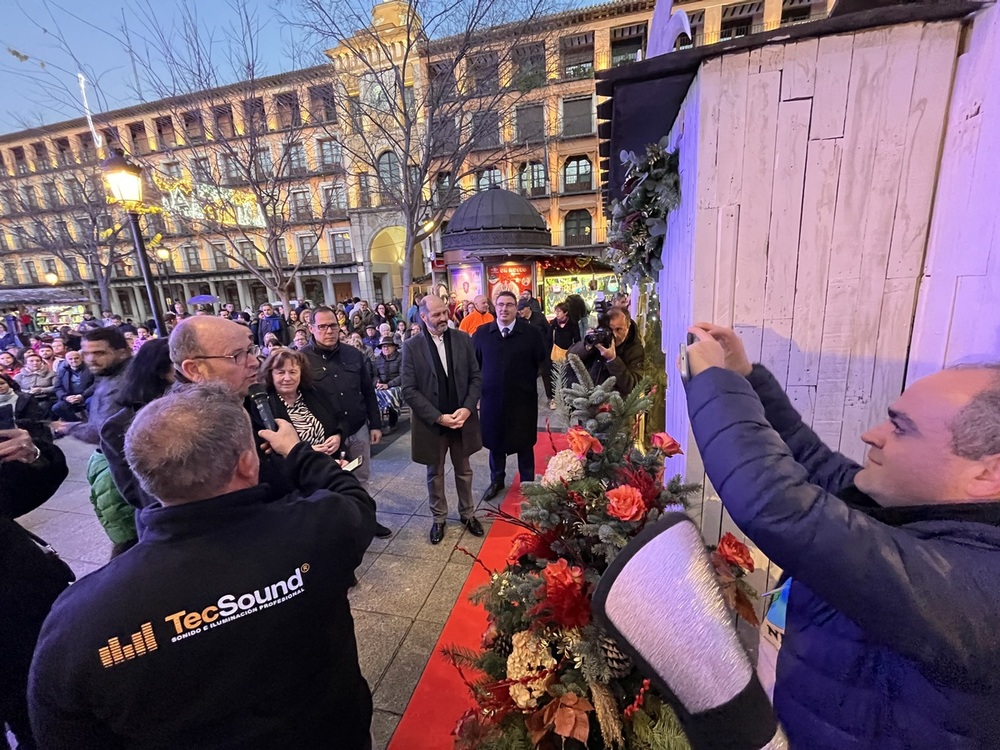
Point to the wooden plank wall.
(958, 308)
(816, 162)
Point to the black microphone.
(258, 393)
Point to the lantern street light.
(51, 278)
(163, 255)
(125, 183)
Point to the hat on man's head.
(523, 304)
(387, 341)
(372, 326)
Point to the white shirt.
(508, 326)
(442, 353)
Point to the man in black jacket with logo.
(345, 376)
(236, 631)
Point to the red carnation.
(642, 480)
(565, 603)
(735, 552)
(532, 544)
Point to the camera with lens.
(602, 334)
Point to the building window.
(484, 71)
(529, 66)
(738, 20)
(194, 126)
(87, 151)
(295, 159)
(165, 133)
(62, 231)
(29, 197)
(697, 19)
(201, 169)
(578, 175)
(578, 228)
(17, 238)
(64, 153)
(795, 11)
(300, 205)
(487, 177)
(10, 274)
(444, 136)
(287, 106)
(308, 247)
(49, 265)
(389, 175)
(9, 202)
(137, 137)
(112, 138)
(485, 130)
(41, 156)
(578, 116)
(230, 168)
(262, 163)
(249, 253)
(172, 170)
(331, 152)
(322, 106)
(20, 160)
(334, 200)
(442, 80)
(531, 179)
(281, 247)
(224, 127)
(31, 271)
(364, 191)
(219, 256)
(52, 198)
(4, 247)
(627, 44)
(193, 257)
(340, 245)
(577, 56)
(254, 115)
(531, 123)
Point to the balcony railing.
(580, 186)
(598, 235)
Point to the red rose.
(565, 603)
(581, 441)
(625, 503)
(665, 443)
(529, 543)
(603, 408)
(735, 552)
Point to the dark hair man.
(237, 592)
(510, 353)
(624, 358)
(442, 383)
(270, 322)
(891, 624)
(344, 376)
(106, 354)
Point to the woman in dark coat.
(288, 379)
(26, 409)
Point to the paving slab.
(402, 676)
(378, 636)
(396, 585)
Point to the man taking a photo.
(891, 624)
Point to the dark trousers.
(67, 412)
(545, 371)
(525, 465)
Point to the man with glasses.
(203, 349)
(345, 376)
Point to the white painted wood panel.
(732, 127)
(798, 77)
(833, 74)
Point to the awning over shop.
(41, 296)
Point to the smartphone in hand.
(684, 365)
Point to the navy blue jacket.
(227, 626)
(891, 638)
(345, 377)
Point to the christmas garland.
(652, 189)
(547, 676)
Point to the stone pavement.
(406, 586)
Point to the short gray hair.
(975, 431)
(184, 343)
(186, 444)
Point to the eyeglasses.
(238, 359)
(326, 326)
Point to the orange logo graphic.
(116, 653)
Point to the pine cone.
(619, 663)
(504, 644)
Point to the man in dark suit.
(510, 353)
(441, 383)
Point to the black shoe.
(437, 533)
(492, 491)
(472, 524)
(382, 532)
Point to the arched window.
(389, 175)
(578, 224)
(531, 179)
(578, 175)
(488, 176)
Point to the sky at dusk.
(43, 88)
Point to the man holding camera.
(890, 632)
(613, 348)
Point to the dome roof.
(496, 218)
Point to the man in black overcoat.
(510, 352)
(441, 383)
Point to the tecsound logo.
(231, 607)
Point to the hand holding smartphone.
(682, 361)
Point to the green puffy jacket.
(116, 516)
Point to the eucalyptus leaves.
(652, 188)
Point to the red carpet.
(441, 697)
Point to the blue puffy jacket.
(892, 637)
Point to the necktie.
(504, 332)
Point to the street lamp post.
(163, 255)
(125, 182)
